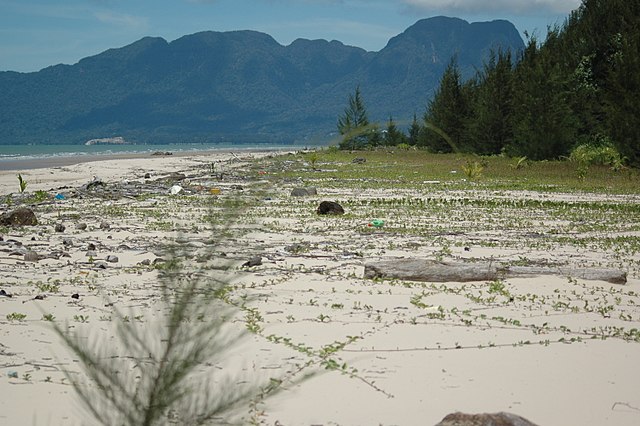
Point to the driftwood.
(433, 271)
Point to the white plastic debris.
(175, 189)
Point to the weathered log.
(426, 270)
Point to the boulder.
(330, 207)
(22, 216)
(497, 419)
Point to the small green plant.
(313, 159)
(520, 163)
(48, 317)
(473, 170)
(16, 316)
(81, 318)
(22, 183)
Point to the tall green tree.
(414, 131)
(490, 124)
(353, 124)
(446, 113)
(393, 136)
(544, 125)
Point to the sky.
(35, 34)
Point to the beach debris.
(254, 261)
(12, 374)
(376, 223)
(59, 227)
(95, 182)
(426, 270)
(174, 177)
(81, 226)
(112, 258)
(59, 196)
(162, 153)
(67, 242)
(22, 216)
(359, 160)
(330, 208)
(496, 419)
(3, 293)
(175, 189)
(304, 192)
(31, 256)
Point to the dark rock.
(75, 296)
(81, 226)
(112, 258)
(303, 192)
(101, 265)
(67, 242)
(22, 216)
(158, 260)
(497, 419)
(91, 247)
(330, 207)
(359, 160)
(124, 247)
(59, 227)
(145, 262)
(31, 256)
(104, 225)
(162, 153)
(5, 294)
(299, 192)
(147, 175)
(40, 297)
(254, 261)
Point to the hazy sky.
(38, 33)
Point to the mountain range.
(239, 86)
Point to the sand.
(553, 349)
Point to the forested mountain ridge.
(239, 86)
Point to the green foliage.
(447, 111)
(473, 169)
(354, 124)
(22, 183)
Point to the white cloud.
(122, 20)
(517, 7)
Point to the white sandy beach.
(554, 350)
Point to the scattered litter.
(59, 197)
(175, 189)
(377, 223)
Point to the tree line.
(580, 87)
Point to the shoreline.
(29, 163)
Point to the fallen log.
(426, 270)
